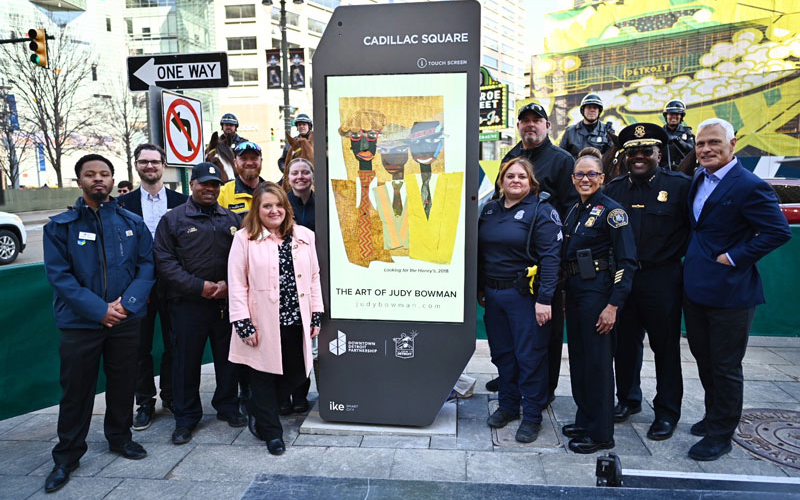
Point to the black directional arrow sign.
(178, 71)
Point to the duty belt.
(499, 284)
(571, 267)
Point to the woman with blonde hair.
(275, 306)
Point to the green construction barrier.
(29, 361)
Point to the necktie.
(397, 201)
(364, 225)
(426, 193)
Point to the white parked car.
(12, 237)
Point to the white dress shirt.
(153, 208)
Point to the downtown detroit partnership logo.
(403, 345)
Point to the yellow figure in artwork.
(434, 200)
(391, 197)
(361, 226)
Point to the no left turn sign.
(183, 129)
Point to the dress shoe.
(585, 445)
(573, 431)
(59, 476)
(233, 419)
(699, 429)
(276, 446)
(131, 450)
(251, 426)
(528, 431)
(500, 418)
(493, 385)
(660, 430)
(300, 406)
(143, 417)
(181, 435)
(708, 449)
(285, 408)
(622, 412)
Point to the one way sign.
(178, 71)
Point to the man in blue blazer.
(735, 220)
(150, 202)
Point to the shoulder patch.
(617, 218)
(554, 217)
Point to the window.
(129, 24)
(240, 11)
(508, 49)
(489, 61)
(145, 32)
(292, 19)
(315, 26)
(244, 75)
(242, 43)
(108, 24)
(133, 4)
(490, 23)
(490, 42)
(507, 68)
(331, 4)
(94, 72)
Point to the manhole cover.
(771, 434)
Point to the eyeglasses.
(591, 175)
(144, 163)
(640, 151)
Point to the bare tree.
(50, 98)
(127, 119)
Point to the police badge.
(638, 132)
(589, 222)
(662, 196)
(233, 230)
(617, 218)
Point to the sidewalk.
(221, 462)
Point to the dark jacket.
(133, 200)
(503, 234)
(192, 247)
(681, 143)
(303, 214)
(741, 218)
(92, 258)
(552, 167)
(658, 214)
(578, 137)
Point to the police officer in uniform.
(589, 132)
(599, 259)
(679, 135)
(656, 201)
(552, 167)
(304, 125)
(191, 252)
(230, 125)
(511, 230)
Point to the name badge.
(87, 236)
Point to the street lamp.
(287, 119)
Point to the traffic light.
(39, 47)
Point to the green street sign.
(489, 136)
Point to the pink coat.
(254, 292)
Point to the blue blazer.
(742, 218)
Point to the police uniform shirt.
(659, 213)
(681, 143)
(502, 235)
(601, 225)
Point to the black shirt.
(303, 214)
(659, 213)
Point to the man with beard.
(589, 132)
(681, 138)
(656, 202)
(552, 167)
(237, 195)
(230, 124)
(150, 202)
(304, 125)
(98, 259)
(191, 250)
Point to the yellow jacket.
(432, 239)
(232, 195)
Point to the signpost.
(183, 129)
(178, 71)
(397, 88)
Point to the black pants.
(590, 355)
(556, 341)
(654, 305)
(269, 389)
(80, 352)
(194, 322)
(145, 383)
(718, 341)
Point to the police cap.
(229, 118)
(642, 134)
(591, 99)
(675, 106)
(303, 118)
(206, 171)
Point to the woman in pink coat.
(275, 305)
